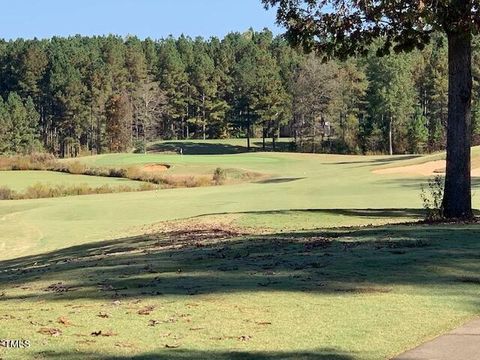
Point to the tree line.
(102, 94)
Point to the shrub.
(140, 147)
(35, 161)
(21, 163)
(97, 171)
(219, 176)
(119, 173)
(76, 167)
(136, 173)
(146, 186)
(6, 193)
(39, 190)
(42, 158)
(432, 196)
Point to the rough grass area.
(40, 176)
(42, 191)
(211, 294)
(21, 180)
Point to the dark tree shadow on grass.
(413, 214)
(346, 262)
(280, 146)
(177, 354)
(197, 148)
(417, 182)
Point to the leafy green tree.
(173, 80)
(316, 88)
(118, 122)
(436, 92)
(391, 98)
(341, 29)
(417, 132)
(18, 125)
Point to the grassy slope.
(300, 182)
(338, 301)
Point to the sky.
(144, 18)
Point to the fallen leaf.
(50, 331)
(244, 338)
(36, 323)
(64, 321)
(101, 333)
(146, 310)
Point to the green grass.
(350, 294)
(294, 293)
(20, 180)
(298, 182)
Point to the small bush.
(140, 147)
(6, 193)
(35, 161)
(219, 176)
(146, 186)
(432, 196)
(42, 158)
(136, 173)
(97, 171)
(76, 168)
(22, 164)
(119, 173)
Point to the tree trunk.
(264, 135)
(390, 136)
(314, 137)
(203, 117)
(457, 200)
(248, 134)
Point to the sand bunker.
(430, 168)
(155, 168)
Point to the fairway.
(294, 182)
(298, 191)
(206, 272)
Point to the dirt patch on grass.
(155, 168)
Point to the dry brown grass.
(42, 191)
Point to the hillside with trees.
(77, 95)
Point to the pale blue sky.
(144, 18)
